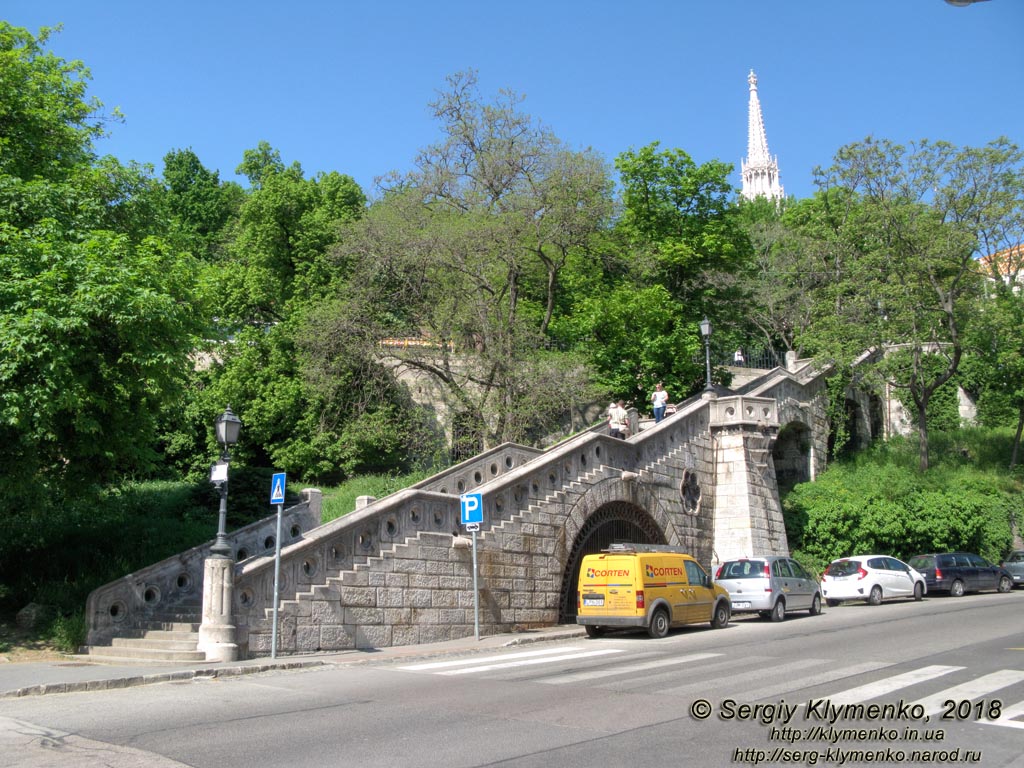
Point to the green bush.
(68, 633)
(877, 501)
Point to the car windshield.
(743, 569)
(1016, 557)
(842, 568)
(921, 562)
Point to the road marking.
(887, 685)
(485, 659)
(661, 663)
(970, 690)
(809, 681)
(528, 662)
(1006, 717)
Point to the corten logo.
(593, 573)
(666, 571)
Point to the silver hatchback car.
(770, 585)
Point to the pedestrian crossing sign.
(277, 484)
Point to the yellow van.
(646, 585)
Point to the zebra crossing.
(754, 678)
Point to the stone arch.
(791, 455)
(613, 522)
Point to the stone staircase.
(161, 640)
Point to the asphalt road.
(934, 683)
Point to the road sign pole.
(277, 581)
(476, 595)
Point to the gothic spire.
(760, 169)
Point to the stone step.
(156, 643)
(157, 625)
(110, 653)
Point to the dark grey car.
(960, 572)
(771, 586)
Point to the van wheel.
(720, 617)
(918, 591)
(594, 631)
(1005, 585)
(956, 589)
(875, 598)
(815, 608)
(779, 610)
(659, 624)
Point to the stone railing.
(172, 589)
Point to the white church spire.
(760, 169)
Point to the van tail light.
(861, 573)
(640, 599)
(767, 572)
(938, 573)
(718, 573)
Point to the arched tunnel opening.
(618, 522)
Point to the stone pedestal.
(217, 633)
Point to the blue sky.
(344, 86)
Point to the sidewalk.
(79, 673)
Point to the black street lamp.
(705, 331)
(228, 426)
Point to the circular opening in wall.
(295, 531)
(552, 479)
(269, 542)
(766, 412)
(499, 504)
(183, 582)
(438, 519)
(309, 566)
(335, 554)
(750, 411)
(461, 486)
(118, 611)
(583, 460)
(730, 411)
(391, 527)
(597, 451)
(689, 489)
(535, 487)
(517, 494)
(242, 554)
(494, 469)
(245, 598)
(477, 477)
(444, 489)
(508, 462)
(414, 515)
(365, 540)
(151, 595)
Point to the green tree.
(97, 313)
(465, 254)
(905, 245)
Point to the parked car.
(771, 586)
(1014, 563)
(872, 578)
(960, 572)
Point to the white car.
(872, 578)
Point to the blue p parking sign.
(472, 508)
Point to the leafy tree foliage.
(465, 255)
(97, 313)
(903, 251)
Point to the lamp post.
(228, 426)
(705, 332)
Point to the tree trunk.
(1016, 437)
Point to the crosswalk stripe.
(1006, 717)
(485, 659)
(971, 690)
(741, 679)
(576, 677)
(888, 685)
(528, 662)
(810, 681)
